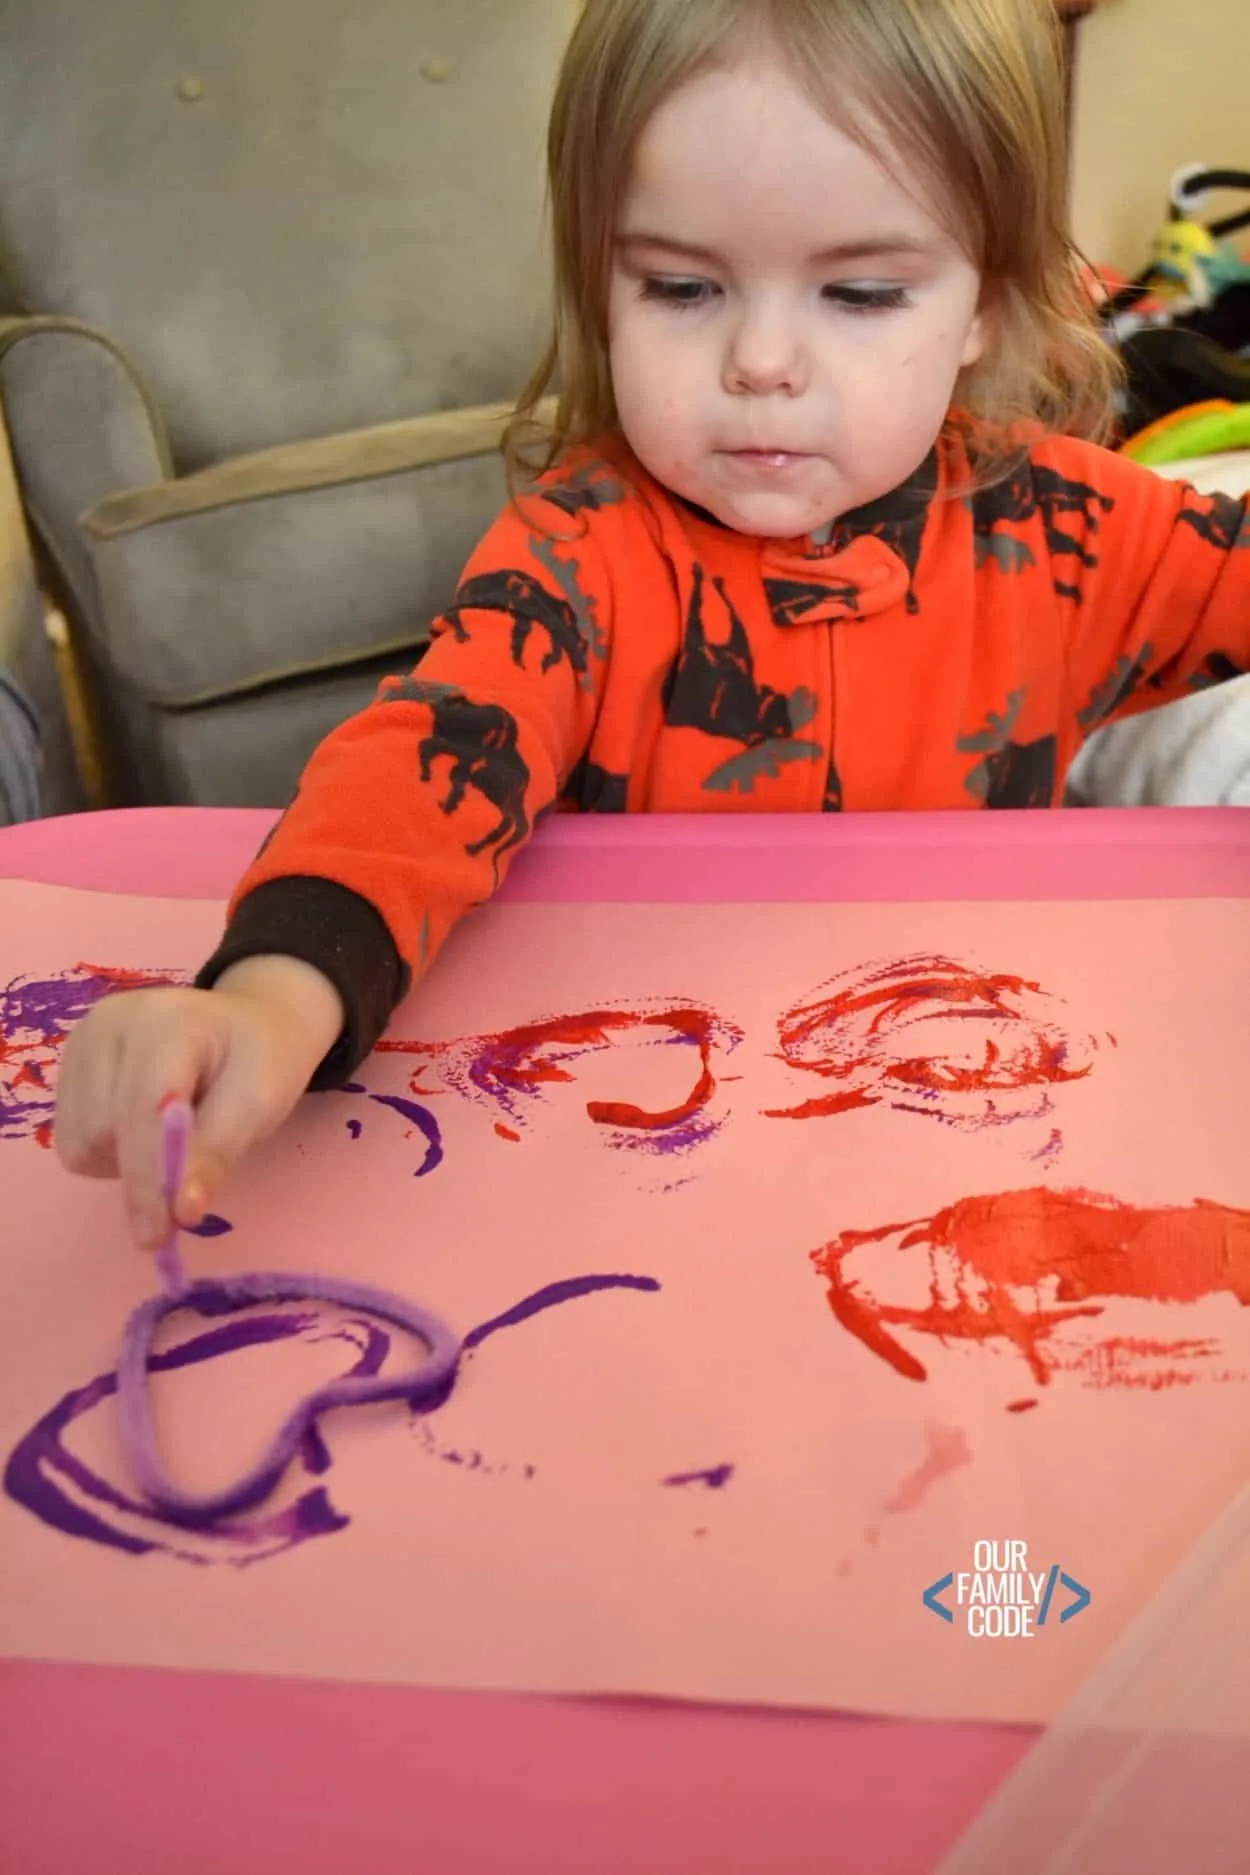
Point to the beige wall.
(1161, 84)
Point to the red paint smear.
(822, 1105)
(527, 1067)
(1134, 1361)
(941, 982)
(997, 1251)
(1021, 1406)
(123, 979)
(517, 1057)
(842, 1037)
(506, 1132)
(520, 1064)
(696, 1025)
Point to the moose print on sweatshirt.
(612, 649)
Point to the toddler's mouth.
(768, 458)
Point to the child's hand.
(242, 1053)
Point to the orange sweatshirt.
(613, 649)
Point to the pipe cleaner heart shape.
(224, 1295)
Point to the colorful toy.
(1191, 262)
(1207, 429)
(1182, 324)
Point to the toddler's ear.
(977, 339)
(986, 330)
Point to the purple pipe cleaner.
(220, 1297)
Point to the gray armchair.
(271, 275)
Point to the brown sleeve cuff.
(340, 934)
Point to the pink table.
(106, 1772)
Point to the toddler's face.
(787, 322)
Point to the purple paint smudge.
(426, 1125)
(49, 1480)
(410, 1110)
(210, 1225)
(551, 1296)
(715, 1478)
(548, 1297)
(314, 1452)
(474, 1461)
(46, 1478)
(36, 1014)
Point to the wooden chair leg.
(77, 698)
(22, 598)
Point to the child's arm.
(405, 817)
(1163, 578)
(410, 813)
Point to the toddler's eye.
(674, 292)
(869, 299)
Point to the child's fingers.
(236, 1111)
(166, 1063)
(83, 1131)
(140, 1051)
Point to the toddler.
(821, 525)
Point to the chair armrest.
(299, 468)
(296, 561)
(82, 422)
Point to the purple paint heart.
(223, 1296)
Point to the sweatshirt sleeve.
(410, 813)
(1157, 582)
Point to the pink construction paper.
(707, 1489)
(187, 852)
(629, 1785)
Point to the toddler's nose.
(764, 357)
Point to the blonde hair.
(973, 92)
